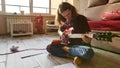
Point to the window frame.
(3, 6)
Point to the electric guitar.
(104, 36)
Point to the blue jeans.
(57, 50)
(82, 51)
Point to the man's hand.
(86, 39)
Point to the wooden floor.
(42, 59)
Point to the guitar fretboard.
(80, 35)
(104, 36)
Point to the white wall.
(54, 5)
(82, 6)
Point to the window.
(41, 6)
(30, 6)
(54, 6)
(0, 6)
(13, 6)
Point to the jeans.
(82, 51)
(57, 50)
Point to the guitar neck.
(104, 36)
(80, 35)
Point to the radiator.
(19, 25)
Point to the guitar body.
(56, 42)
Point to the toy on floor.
(14, 49)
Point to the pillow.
(114, 1)
(114, 15)
(93, 3)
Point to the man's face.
(67, 14)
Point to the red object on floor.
(39, 25)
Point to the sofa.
(104, 16)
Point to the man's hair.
(64, 6)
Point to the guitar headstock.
(104, 36)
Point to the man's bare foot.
(77, 61)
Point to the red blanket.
(105, 25)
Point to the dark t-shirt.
(80, 26)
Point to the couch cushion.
(114, 15)
(95, 13)
(113, 1)
(93, 3)
(107, 25)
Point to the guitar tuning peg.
(97, 32)
(99, 38)
(109, 33)
(103, 39)
(96, 38)
(104, 33)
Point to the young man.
(72, 23)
